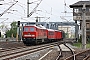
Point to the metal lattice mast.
(34, 10)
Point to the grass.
(79, 45)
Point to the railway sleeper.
(80, 57)
(87, 58)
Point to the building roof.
(80, 4)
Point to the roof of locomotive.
(53, 30)
(39, 26)
(58, 30)
(50, 30)
(42, 27)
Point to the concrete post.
(76, 31)
(83, 28)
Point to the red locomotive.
(37, 34)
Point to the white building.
(68, 30)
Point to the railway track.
(60, 52)
(84, 55)
(14, 53)
(11, 52)
(10, 49)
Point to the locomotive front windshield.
(27, 29)
(32, 29)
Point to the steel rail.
(87, 57)
(77, 54)
(27, 51)
(60, 53)
(9, 49)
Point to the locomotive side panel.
(58, 35)
(41, 34)
(51, 34)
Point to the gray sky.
(48, 8)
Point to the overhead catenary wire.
(61, 17)
(20, 14)
(45, 11)
(34, 9)
(55, 15)
(7, 9)
(23, 8)
(12, 12)
(23, 5)
(34, 2)
(4, 20)
(36, 13)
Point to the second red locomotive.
(37, 34)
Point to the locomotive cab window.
(25, 29)
(51, 33)
(32, 29)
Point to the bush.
(80, 40)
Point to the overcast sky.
(48, 8)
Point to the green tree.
(13, 31)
